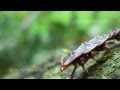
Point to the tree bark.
(109, 68)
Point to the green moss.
(109, 69)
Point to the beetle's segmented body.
(84, 52)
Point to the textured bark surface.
(109, 68)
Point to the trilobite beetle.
(84, 52)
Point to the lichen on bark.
(109, 68)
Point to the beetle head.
(65, 61)
(63, 67)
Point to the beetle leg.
(93, 54)
(107, 49)
(83, 67)
(72, 74)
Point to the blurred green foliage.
(28, 38)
